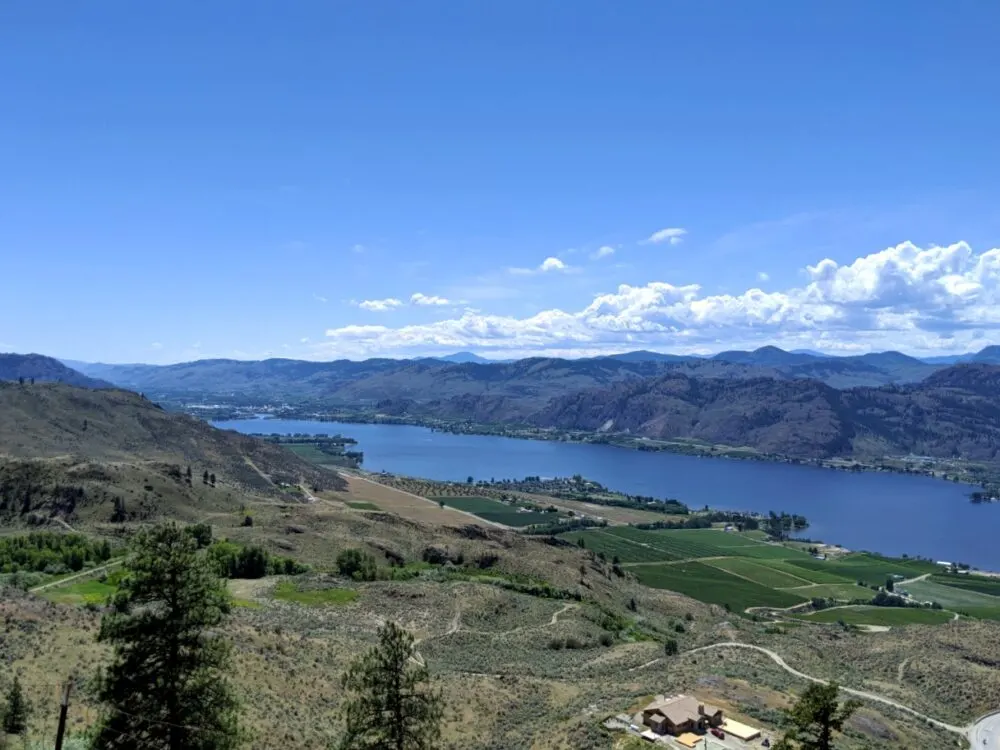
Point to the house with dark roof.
(680, 714)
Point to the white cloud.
(549, 264)
(763, 276)
(380, 305)
(933, 299)
(359, 248)
(425, 300)
(673, 235)
(156, 345)
(602, 252)
(320, 298)
(304, 340)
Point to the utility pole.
(63, 710)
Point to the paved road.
(985, 733)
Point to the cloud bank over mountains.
(904, 297)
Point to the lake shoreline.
(682, 447)
(894, 512)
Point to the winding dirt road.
(964, 731)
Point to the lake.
(888, 513)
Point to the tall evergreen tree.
(167, 686)
(815, 717)
(390, 707)
(15, 710)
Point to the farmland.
(741, 571)
(498, 512)
(889, 616)
(714, 586)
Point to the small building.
(740, 731)
(681, 714)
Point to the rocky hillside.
(955, 412)
(60, 444)
(45, 369)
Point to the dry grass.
(400, 502)
(489, 648)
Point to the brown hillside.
(52, 420)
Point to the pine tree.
(211, 479)
(167, 683)
(390, 707)
(204, 477)
(15, 714)
(815, 717)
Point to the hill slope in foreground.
(68, 451)
(45, 369)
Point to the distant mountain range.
(954, 412)
(531, 381)
(792, 403)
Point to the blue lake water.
(888, 513)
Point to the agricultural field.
(714, 586)
(888, 616)
(950, 597)
(982, 584)
(845, 592)
(498, 512)
(871, 569)
(758, 572)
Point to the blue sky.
(347, 179)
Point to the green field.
(950, 597)
(361, 505)
(871, 569)
(758, 572)
(721, 567)
(498, 512)
(80, 592)
(880, 616)
(982, 584)
(289, 592)
(613, 546)
(845, 592)
(812, 575)
(713, 585)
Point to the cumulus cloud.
(380, 305)
(671, 235)
(931, 299)
(763, 276)
(602, 252)
(549, 264)
(425, 300)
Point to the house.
(680, 714)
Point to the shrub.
(356, 564)
(670, 647)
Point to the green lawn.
(362, 505)
(80, 592)
(758, 572)
(880, 616)
(712, 585)
(498, 512)
(289, 592)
